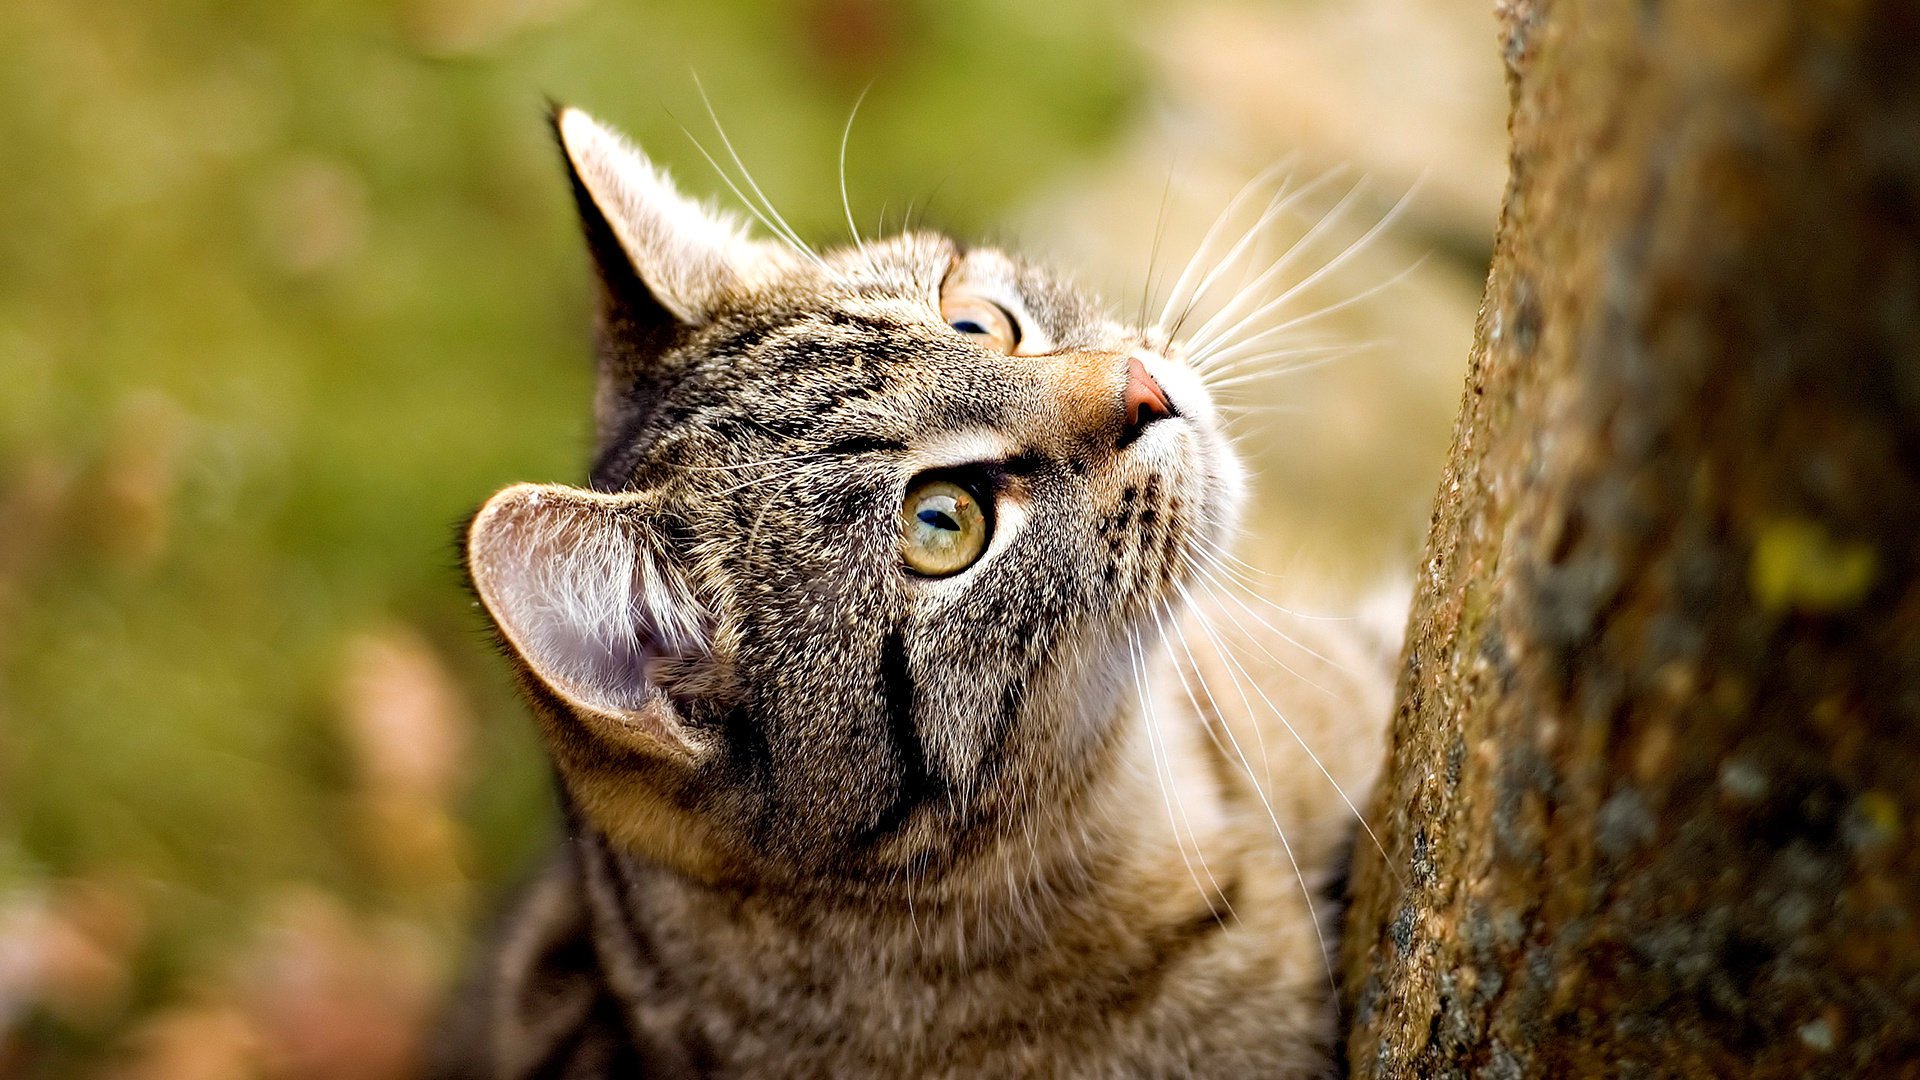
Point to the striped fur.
(829, 818)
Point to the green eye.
(943, 530)
(986, 322)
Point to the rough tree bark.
(1653, 803)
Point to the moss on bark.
(1653, 803)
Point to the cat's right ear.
(651, 244)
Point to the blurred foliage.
(286, 288)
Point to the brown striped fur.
(827, 818)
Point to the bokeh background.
(288, 286)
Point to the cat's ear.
(649, 241)
(582, 592)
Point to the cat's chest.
(730, 996)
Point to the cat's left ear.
(585, 594)
(609, 639)
(651, 243)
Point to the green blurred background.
(288, 287)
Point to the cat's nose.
(1143, 403)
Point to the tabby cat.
(909, 714)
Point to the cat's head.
(869, 546)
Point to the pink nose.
(1145, 401)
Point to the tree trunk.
(1653, 802)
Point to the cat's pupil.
(968, 326)
(943, 528)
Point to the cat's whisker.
(1149, 718)
(1221, 359)
(1204, 248)
(913, 917)
(1210, 578)
(1302, 341)
(1253, 300)
(923, 205)
(1226, 653)
(792, 242)
(772, 218)
(753, 531)
(1246, 574)
(1200, 342)
(1170, 790)
(1213, 706)
(755, 482)
(1206, 338)
(1153, 252)
(1200, 250)
(1213, 715)
(1229, 349)
(1220, 338)
(1286, 845)
(1260, 735)
(1038, 880)
(1261, 365)
(1235, 420)
(1215, 267)
(846, 133)
(1202, 574)
(1280, 204)
(1282, 634)
(1260, 375)
(1249, 413)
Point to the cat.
(908, 712)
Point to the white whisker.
(1226, 654)
(1203, 576)
(1226, 352)
(1201, 341)
(1259, 365)
(1219, 714)
(719, 170)
(846, 133)
(1278, 205)
(771, 219)
(1235, 411)
(1206, 240)
(1283, 635)
(753, 531)
(1167, 781)
(1153, 252)
(1286, 846)
(1206, 339)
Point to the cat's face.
(871, 542)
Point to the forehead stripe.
(863, 444)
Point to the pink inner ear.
(690, 257)
(576, 589)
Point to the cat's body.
(891, 741)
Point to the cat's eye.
(943, 528)
(982, 320)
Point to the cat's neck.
(1143, 885)
(1152, 805)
